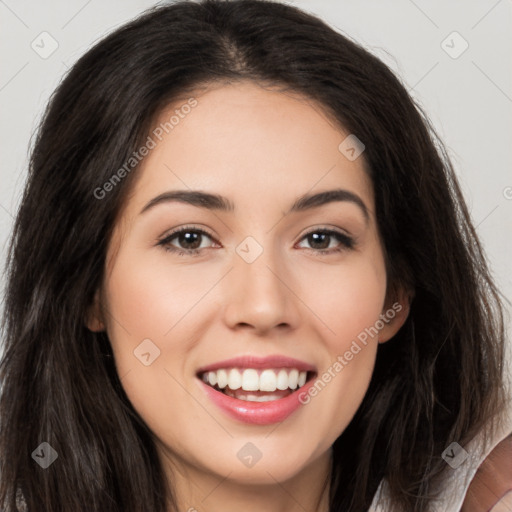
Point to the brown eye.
(320, 241)
(185, 241)
(188, 239)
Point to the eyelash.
(347, 242)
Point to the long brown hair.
(437, 381)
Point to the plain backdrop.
(454, 57)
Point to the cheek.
(158, 309)
(347, 298)
(149, 300)
(150, 306)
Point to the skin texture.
(262, 149)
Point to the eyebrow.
(223, 204)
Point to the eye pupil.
(315, 238)
(190, 237)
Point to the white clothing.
(456, 482)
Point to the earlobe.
(94, 321)
(395, 314)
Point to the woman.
(255, 368)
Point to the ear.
(95, 320)
(395, 313)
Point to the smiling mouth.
(257, 385)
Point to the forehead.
(251, 143)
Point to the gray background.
(467, 95)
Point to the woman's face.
(266, 284)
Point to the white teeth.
(268, 380)
(293, 379)
(222, 378)
(251, 380)
(254, 398)
(235, 379)
(212, 378)
(282, 380)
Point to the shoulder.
(492, 480)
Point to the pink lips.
(276, 361)
(258, 413)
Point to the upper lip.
(251, 361)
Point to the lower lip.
(257, 413)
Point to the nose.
(260, 295)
